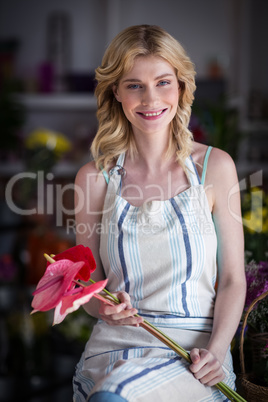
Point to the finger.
(209, 370)
(205, 371)
(124, 298)
(204, 357)
(124, 318)
(212, 377)
(124, 314)
(119, 312)
(195, 355)
(131, 321)
(106, 309)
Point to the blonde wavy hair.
(114, 135)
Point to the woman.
(164, 226)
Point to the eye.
(163, 83)
(133, 86)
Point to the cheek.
(174, 96)
(174, 100)
(128, 104)
(126, 110)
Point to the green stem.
(224, 388)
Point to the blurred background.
(48, 53)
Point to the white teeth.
(152, 114)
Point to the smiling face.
(149, 94)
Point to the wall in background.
(258, 45)
(27, 20)
(203, 27)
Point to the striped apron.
(163, 254)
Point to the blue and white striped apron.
(163, 254)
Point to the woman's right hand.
(120, 314)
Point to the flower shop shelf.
(59, 101)
(64, 169)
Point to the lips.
(151, 113)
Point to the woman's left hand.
(206, 367)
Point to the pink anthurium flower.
(56, 281)
(73, 300)
(79, 253)
(60, 288)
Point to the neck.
(152, 152)
(152, 161)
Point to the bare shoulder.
(221, 175)
(221, 167)
(88, 168)
(220, 162)
(88, 173)
(90, 185)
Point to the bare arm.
(225, 199)
(90, 190)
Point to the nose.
(149, 96)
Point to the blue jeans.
(104, 396)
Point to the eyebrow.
(156, 78)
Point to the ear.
(116, 94)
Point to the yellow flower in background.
(265, 220)
(255, 221)
(255, 207)
(51, 140)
